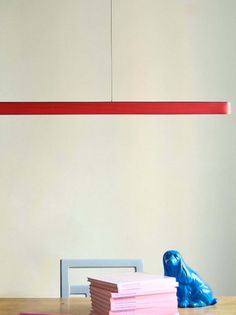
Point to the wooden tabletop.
(81, 306)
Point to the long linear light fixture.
(113, 108)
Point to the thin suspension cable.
(111, 43)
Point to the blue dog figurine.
(192, 290)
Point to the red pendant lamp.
(113, 108)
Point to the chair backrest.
(65, 264)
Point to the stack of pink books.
(133, 294)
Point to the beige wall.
(116, 186)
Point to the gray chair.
(65, 264)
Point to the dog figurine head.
(173, 262)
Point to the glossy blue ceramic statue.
(192, 290)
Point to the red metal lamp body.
(113, 108)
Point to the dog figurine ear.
(192, 290)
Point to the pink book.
(131, 305)
(136, 303)
(41, 313)
(132, 294)
(135, 312)
(132, 282)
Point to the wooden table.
(81, 306)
